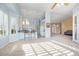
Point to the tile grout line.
(55, 49)
(44, 49)
(33, 50)
(60, 45)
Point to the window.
(13, 25)
(3, 24)
(6, 24)
(13, 30)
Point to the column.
(47, 21)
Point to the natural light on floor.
(46, 49)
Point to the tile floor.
(40, 47)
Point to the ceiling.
(61, 13)
(35, 11)
(10, 8)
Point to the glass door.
(75, 25)
(3, 24)
(13, 29)
(76, 28)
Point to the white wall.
(4, 41)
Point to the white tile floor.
(45, 49)
(39, 48)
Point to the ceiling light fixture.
(25, 22)
(59, 5)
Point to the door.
(76, 28)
